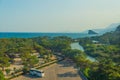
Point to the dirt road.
(63, 70)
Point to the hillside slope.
(110, 37)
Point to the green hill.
(110, 37)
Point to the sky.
(57, 15)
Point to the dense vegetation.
(2, 75)
(55, 44)
(25, 48)
(106, 49)
(103, 48)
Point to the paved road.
(63, 70)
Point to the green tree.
(4, 61)
(106, 70)
(2, 75)
(29, 60)
(7, 71)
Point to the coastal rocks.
(91, 32)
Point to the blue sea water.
(31, 35)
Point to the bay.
(38, 34)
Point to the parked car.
(35, 72)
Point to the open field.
(63, 70)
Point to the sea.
(38, 34)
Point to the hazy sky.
(57, 15)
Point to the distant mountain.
(110, 37)
(110, 28)
(91, 32)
